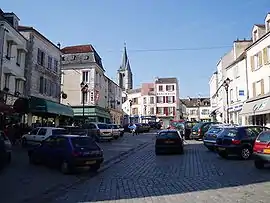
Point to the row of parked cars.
(243, 141)
(66, 147)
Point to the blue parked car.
(67, 152)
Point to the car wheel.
(259, 164)
(223, 154)
(65, 167)
(245, 153)
(94, 168)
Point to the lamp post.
(226, 84)
(198, 111)
(84, 89)
(130, 105)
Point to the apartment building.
(257, 108)
(197, 109)
(13, 49)
(82, 64)
(132, 107)
(226, 105)
(167, 102)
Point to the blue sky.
(148, 24)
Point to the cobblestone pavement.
(197, 176)
(22, 181)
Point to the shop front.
(91, 114)
(257, 111)
(234, 113)
(47, 113)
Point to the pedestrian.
(133, 128)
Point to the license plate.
(221, 148)
(266, 151)
(169, 142)
(90, 162)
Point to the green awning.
(91, 111)
(39, 105)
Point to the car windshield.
(168, 135)
(59, 132)
(102, 126)
(84, 142)
(264, 137)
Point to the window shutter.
(173, 99)
(167, 99)
(252, 63)
(262, 86)
(260, 58)
(254, 89)
(174, 111)
(166, 111)
(265, 56)
(164, 99)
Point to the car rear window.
(102, 126)
(230, 132)
(197, 126)
(84, 142)
(264, 137)
(168, 135)
(215, 130)
(59, 132)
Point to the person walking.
(133, 128)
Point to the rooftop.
(193, 102)
(166, 80)
(78, 49)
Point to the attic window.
(268, 25)
(63, 58)
(86, 58)
(73, 57)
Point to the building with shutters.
(257, 108)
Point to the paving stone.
(197, 176)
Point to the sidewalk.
(21, 181)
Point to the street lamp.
(198, 111)
(84, 89)
(130, 105)
(226, 84)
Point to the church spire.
(125, 62)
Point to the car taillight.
(75, 153)
(199, 131)
(236, 141)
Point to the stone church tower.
(124, 74)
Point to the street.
(24, 182)
(197, 176)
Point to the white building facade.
(83, 64)
(43, 79)
(13, 49)
(257, 108)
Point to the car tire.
(259, 164)
(94, 168)
(223, 155)
(65, 167)
(245, 153)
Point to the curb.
(55, 191)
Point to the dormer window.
(74, 57)
(267, 25)
(86, 58)
(255, 35)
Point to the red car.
(261, 149)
